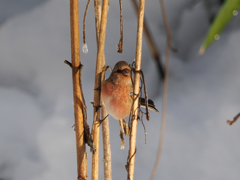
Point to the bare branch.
(68, 63)
(100, 34)
(120, 44)
(234, 119)
(165, 86)
(152, 46)
(146, 96)
(78, 101)
(87, 135)
(107, 158)
(84, 22)
(133, 133)
(145, 91)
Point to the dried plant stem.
(87, 134)
(78, 101)
(152, 46)
(133, 134)
(165, 86)
(105, 125)
(98, 13)
(120, 44)
(99, 69)
(107, 160)
(234, 119)
(146, 96)
(84, 22)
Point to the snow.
(36, 136)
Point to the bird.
(116, 92)
(117, 97)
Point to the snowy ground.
(36, 138)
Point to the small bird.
(116, 92)
(116, 95)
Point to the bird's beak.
(125, 72)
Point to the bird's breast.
(116, 99)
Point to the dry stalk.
(234, 119)
(107, 158)
(97, 86)
(78, 101)
(98, 13)
(133, 134)
(146, 96)
(87, 134)
(165, 86)
(105, 125)
(152, 46)
(84, 22)
(120, 44)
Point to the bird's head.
(121, 73)
(122, 68)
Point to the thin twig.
(105, 124)
(234, 119)
(98, 13)
(84, 22)
(87, 134)
(146, 96)
(78, 101)
(144, 128)
(80, 84)
(100, 121)
(165, 86)
(128, 162)
(101, 28)
(133, 132)
(107, 157)
(152, 46)
(145, 91)
(120, 44)
(68, 63)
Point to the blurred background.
(37, 141)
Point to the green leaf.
(227, 11)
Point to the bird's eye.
(119, 71)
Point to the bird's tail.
(151, 105)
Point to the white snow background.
(37, 141)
